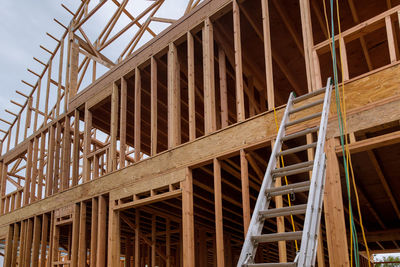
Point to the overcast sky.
(23, 27)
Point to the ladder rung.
(309, 105)
(296, 149)
(301, 133)
(287, 189)
(278, 237)
(293, 167)
(310, 117)
(293, 172)
(274, 264)
(285, 211)
(309, 95)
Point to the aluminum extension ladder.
(312, 210)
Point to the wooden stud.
(28, 244)
(57, 158)
(50, 163)
(137, 238)
(138, 116)
(168, 243)
(244, 174)
(113, 237)
(43, 244)
(9, 245)
(36, 241)
(210, 124)
(113, 129)
(188, 220)
(101, 233)
(82, 253)
(223, 87)
(219, 226)
(86, 143)
(60, 73)
(41, 178)
(174, 133)
(76, 149)
(66, 150)
(74, 70)
(390, 39)
(16, 238)
(153, 240)
(46, 108)
(153, 106)
(238, 62)
(75, 236)
(28, 174)
(122, 124)
(191, 87)
(334, 210)
(343, 57)
(268, 55)
(94, 231)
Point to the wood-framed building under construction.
(158, 162)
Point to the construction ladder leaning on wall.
(315, 187)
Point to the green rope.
(341, 126)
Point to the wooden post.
(210, 124)
(113, 237)
(60, 73)
(86, 144)
(307, 41)
(137, 238)
(333, 210)
(268, 55)
(75, 236)
(28, 173)
(219, 226)
(36, 241)
(174, 96)
(41, 178)
(74, 69)
(238, 62)
(168, 243)
(153, 106)
(43, 245)
(244, 174)
(390, 38)
(191, 87)
(66, 164)
(94, 231)
(188, 220)
(28, 244)
(50, 163)
(153, 240)
(138, 116)
(16, 238)
(57, 158)
(223, 88)
(34, 170)
(9, 245)
(113, 129)
(76, 149)
(122, 124)
(82, 235)
(101, 233)
(343, 56)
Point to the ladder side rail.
(262, 203)
(317, 164)
(311, 255)
(316, 208)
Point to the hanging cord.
(286, 182)
(348, 155)
(341, 109)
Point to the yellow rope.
(346, 141)
(348, 155)
(286, 182)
